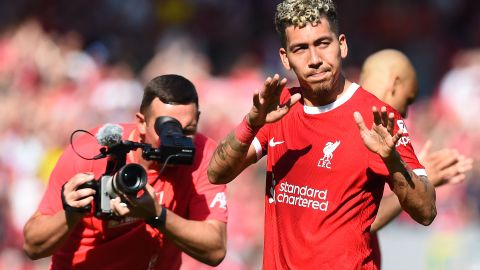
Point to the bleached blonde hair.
(300, 12)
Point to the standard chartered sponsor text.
(303, 196)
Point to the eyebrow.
(318, 40)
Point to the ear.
(396, 84)
(198, 115)
(283, 57)
(342, 40)
(141, 123)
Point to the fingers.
(443, 158)
(359, 120)
(144, 206)
(385, 116)
(75, 197)
(272, 88)
(78, 180)
(464, 164)
(289, 103)
(267, 100)
(451, 175)
(390, 123)
(149, 190)
(457, 179)
(425, 151)
(382, 118)
(82, 193)
(118, 207)
(376, 116)
(397, 136)
(82, 202)
(447, 166)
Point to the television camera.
(128, 179)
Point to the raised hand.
(445, 166)
(380, 138)
(266, 102)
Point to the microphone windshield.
(109, 135)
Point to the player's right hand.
(266, 102)
(75, 197)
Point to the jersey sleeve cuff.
(258, 148)
(420, 172)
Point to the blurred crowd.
(67, 65)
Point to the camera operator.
(178, 210)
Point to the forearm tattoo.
(424, 181)
(229, 153)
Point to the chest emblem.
(325, 161)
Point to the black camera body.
(121, 179)
(175, 147)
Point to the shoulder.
(126, 129)
(85, 142)
(367, 100)
(204, 143)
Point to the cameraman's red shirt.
(130, 243)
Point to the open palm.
(380, 138)
(266, 102)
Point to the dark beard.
(323, 93)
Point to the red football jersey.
(323, 185)
(130, 243)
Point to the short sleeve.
(69, 164)
(208, 201)
(51, 202)
(260, 142)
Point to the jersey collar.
(337, 103)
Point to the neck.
(136, 156)
(324, 97)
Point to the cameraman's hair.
(170, 89)
(300, 12)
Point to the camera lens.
(130, 179)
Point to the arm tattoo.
(424, 180)
(235, 144)
(221, 150)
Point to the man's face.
(187, 115)
(315, 54)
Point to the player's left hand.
(380, 138)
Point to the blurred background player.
(390, 76)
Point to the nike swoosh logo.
(273, 143)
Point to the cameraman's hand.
(78, 198)
(144, 206)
